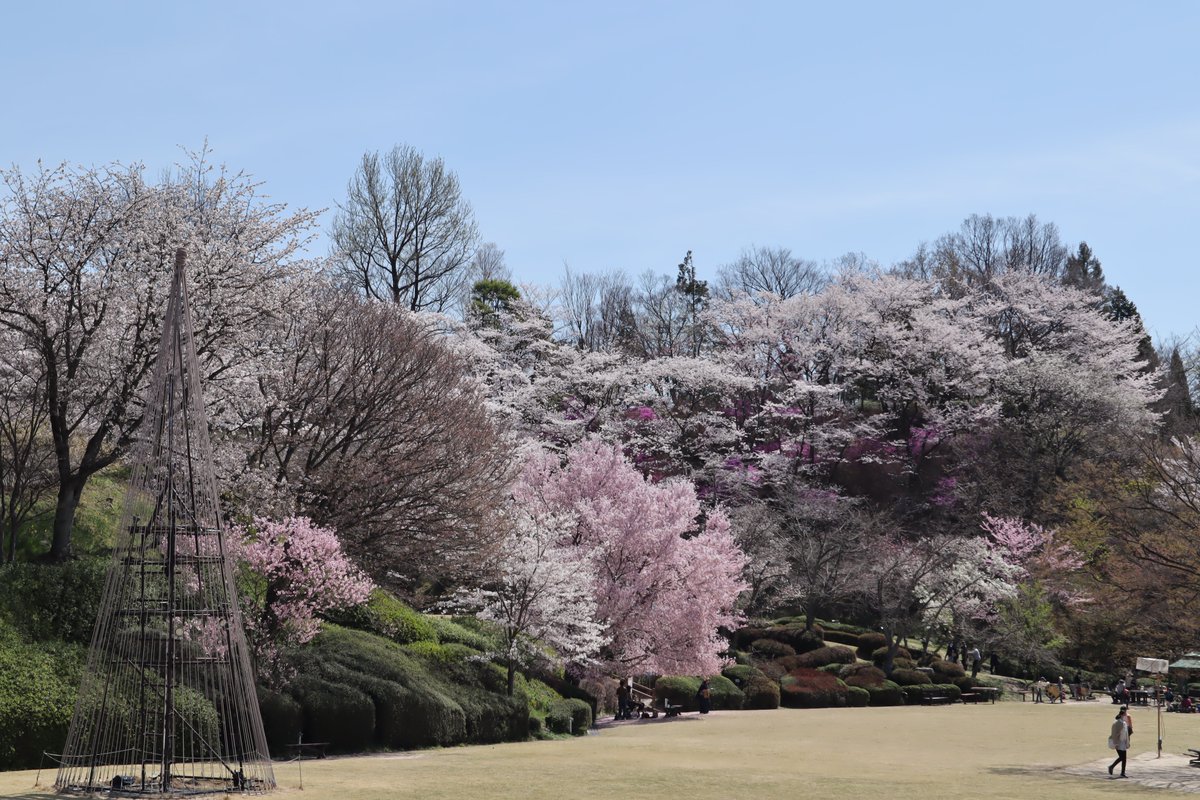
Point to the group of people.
(630, 707)
(972, 657)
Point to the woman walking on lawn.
(1118, 739)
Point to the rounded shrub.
(761, 693)
(947, 669)
(679, 689)
(771, 648)
(385, 615)
(857, 697)
(910, 677)
(889, 694)
(823, 656)
(841, 637)
(869, 642)
(811, 688)
(879, 656)
(952, 690)
(569, 715)
(335, 713)
(724, 694)
(864, 675)
(450, 632)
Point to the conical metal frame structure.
(168, 705)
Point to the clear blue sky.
(620, 135)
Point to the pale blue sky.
(623, 134)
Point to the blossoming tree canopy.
(302, 572)
(666, 573)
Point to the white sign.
(1158, 665)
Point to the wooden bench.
(671, 710)
(1195, 762)
(970, 697)
(933, 697)
(1023, 693)
(987, 692)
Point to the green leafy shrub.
(869, 642)
(774, 669)
(910, 677)
(450, 632)
(952, 690)
(679, 689)
(52, 602)
(441, 653)
(902, 659)
(889, 694)
(964, 683)
(761, 693)
(794, 636)
(386, 616)
(770, 648)
(857, 697)
(824, 656)
(725, 694)
(283, 720)
(335, 713)
(570, 716)
(912, 694)
(419, 699)
(37, 696)
(811, 688)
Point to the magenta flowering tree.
(296, 570)
(665, 575)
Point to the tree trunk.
(69, 493)
(512, 677)
(810, 616)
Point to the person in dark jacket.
(703, 697)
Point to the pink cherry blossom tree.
(665, 576)
(296, 570)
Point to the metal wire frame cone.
(167, 705)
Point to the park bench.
(1195, 762)
(970, 697)
(671, 710)
(309, 750)
(986, 692)
(933, 697)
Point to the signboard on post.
(1156, 665)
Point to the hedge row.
(358, 691)
(681, 691)
(759, 691)
(37, 696)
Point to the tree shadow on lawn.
(608, 722)
(1058, 774)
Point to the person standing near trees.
(624, 699)
(704, 697)
(976, 659)
(1118, 739)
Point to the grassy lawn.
(1007, 750)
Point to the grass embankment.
(997, 751)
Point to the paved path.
(1169, 772)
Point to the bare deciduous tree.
(405, 233)
(371, 426)
(770, 269)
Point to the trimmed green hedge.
(857, 697)
(679, 689)
(910, 677)
(868, 643)
(418, 695)
(770, 648)
(889, 694)
(759, 691)
(823, 656)
(386, 616)
(570, 716)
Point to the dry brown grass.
(1007, 750)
